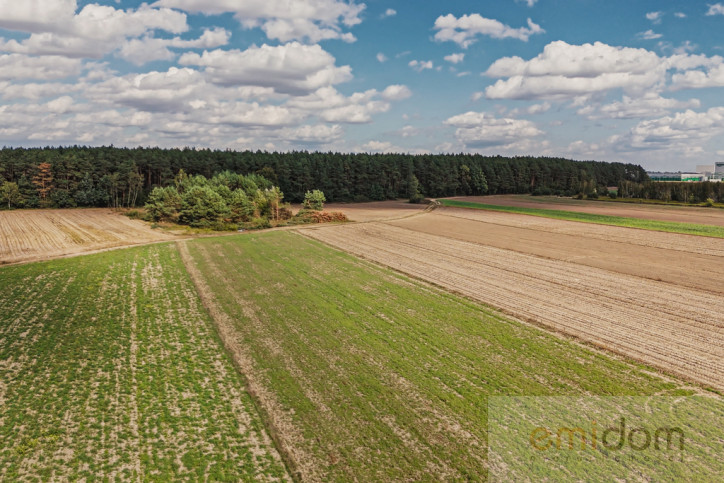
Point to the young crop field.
(110, 369)
(367, 375)
(27, 235)
(630, 222)
(665, 324)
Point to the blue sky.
(618, 80)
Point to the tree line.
(683, 191)
(125, 177)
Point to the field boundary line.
(666, 374)
(226, 332)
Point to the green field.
(315, 366)
(654, 225)
(372, 376)
(110, 369)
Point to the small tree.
(201, 206)
(43, 181)
(314, 200)
(163, 204)
(10, 194)
(413, 189)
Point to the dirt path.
(675, 328)
(681, 214)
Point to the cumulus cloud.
(564, 71)
(684, 131)
(654, 17)
(311, 20)
(16, 67)
(482, 130)
(92, 33)
(696, 79)
(420, 65)
(291, 68)
(147, 49)
(680, 15)
(649, 35)
(455, 58)
(381, 58)
(464, 30)
(390, 12)
(396, 92)
(716, 9)
(650, 105)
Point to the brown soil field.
(376, 210)
(611, 299)
(665, 257)
(680, 214)
(29, 235)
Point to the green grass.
(653, 225)
(110, 369)
(378, 377)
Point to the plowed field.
(591, 282)
(28, 235)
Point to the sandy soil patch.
(30, 235)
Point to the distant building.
(668, 176)
(706, 169)
(719, 170)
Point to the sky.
(632, 81)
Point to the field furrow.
(678, 329)
(111, 369)
(28, 235)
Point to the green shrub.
(314, 200)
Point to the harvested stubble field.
(612, 300)
(367, 375)
(110, 369)
(673, 213)
(27, 235)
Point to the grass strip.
(652, 225)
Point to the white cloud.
(331, 106)
(464, 30)
(716, 9)
(654, 17)
(291, 68)
(539, 108)
(482, 130)
(649, 35)
(95, 31)
(36, 15)
(650, 105)
(680, 15)
(381, 57)
(396, 92)
(564, 71)
(147, 49)
(455, 58)
(17, 66)
(420, 65)
(390, 12)
(685, 132)
(713, 77)
(316, 134)
(283, 20)
(379, 147)
(477, 96)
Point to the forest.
(124, 177)
(684, 191)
